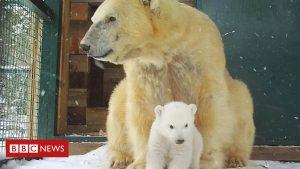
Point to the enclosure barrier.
(21, 34)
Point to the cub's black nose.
(179, 141)
(85, 47)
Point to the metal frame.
(49, 59)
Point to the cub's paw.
(136, 165)
(235, 163)
(119, 161)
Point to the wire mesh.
(20, 55)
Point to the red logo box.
(37, 148)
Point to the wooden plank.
(276, 153)
(114, 73)
(92, 3)
(95, 86)
(77, 32)
(80, 12)
(79, 63)
(62, 98)
(77, 98)
(78, 80)
(82, 148)
(97, 116)
(188, 2)
(76, 116)
(112, 77)
(82, 129)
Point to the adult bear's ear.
(152, 4)
(193, 108)
(158, 110)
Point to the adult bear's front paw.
(119, 161)
(235, 162)
(137, 165)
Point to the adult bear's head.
(122, 29)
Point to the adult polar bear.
(169, 52)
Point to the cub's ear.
(158, 110)
(193, 108)
(152, 4)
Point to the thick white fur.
(162, 147)
(170, 52)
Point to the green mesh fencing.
(20, 56)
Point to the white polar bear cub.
(174, 142)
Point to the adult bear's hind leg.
(119, 151)
(239, 152)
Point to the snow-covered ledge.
(98, 159)
(276, 153)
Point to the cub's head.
(121, 28)
(176, 121)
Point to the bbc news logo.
(37, 148)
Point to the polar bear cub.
(174, 142)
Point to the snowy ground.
(97, 159)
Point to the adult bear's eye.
(186, 126)
(112, 19)
(171, 126)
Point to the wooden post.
(63, 84)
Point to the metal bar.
(42, 8)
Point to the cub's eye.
(186, 126)
(112, 19)
(171, 126)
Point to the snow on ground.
(98, 159)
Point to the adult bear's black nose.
(85, 47)
(179, 141)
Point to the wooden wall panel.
(79, 63)
(112, 76)
(83, 129)
(78, 80)
(188, 2)
(97, 117)
(95, 86)
(80, 12)
(77, 98)
(62, 98)
(77, 32)
(76, 116)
